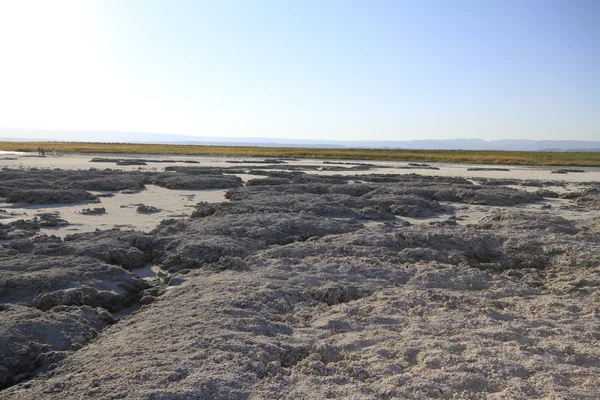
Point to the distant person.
(43, 152)
(54, 152)
(39, 151)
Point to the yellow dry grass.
(447, 156)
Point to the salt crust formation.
(64, 186)
(287, 291)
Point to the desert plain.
(190, 277)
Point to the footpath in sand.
(270, 279)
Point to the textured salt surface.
(356, 284)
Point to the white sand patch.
(121, 210)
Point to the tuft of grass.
(591, 159)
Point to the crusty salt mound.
(305, 286)
(63, 187)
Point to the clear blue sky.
(389, 70)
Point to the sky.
(326, 69)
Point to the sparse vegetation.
(449, 156)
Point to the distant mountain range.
(450, 144)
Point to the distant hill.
(450, 144)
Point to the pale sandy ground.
(120, 210)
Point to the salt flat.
(269, 279)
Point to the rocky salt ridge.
(285, 291)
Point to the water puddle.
(149, 272)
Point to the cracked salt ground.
(265, 296)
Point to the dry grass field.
(447, 156)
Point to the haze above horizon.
(363, 70)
